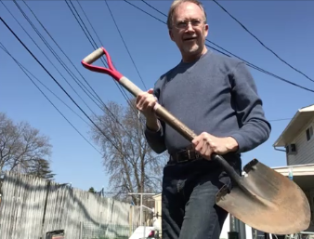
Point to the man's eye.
(181, 24)
(196, 22)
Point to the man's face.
(188, 29)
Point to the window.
(309, 133)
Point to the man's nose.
(189, 27)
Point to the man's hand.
(206, 144)
(145, 103)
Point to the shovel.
(262, 198)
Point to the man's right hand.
(145, 103)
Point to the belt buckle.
(192, 154)
(197, 155)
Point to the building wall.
(304, 149)
(157, 209)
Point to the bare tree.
(21, 146)
(128, 159)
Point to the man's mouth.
(189, 38)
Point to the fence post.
(45, 208)
(81, 230)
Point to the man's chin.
(191, 50)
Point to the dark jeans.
(188, 200)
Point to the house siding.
(304, 149)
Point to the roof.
(302, 117)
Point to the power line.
(93, 43)
(56, 81)
(254, 36)
(275, 120)
(100, 100)
(247, 63)
(26, 72)
(126, 47)
(48, 46)
(60, 60)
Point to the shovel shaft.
(230, 170)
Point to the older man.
(216, 97)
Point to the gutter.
(281, 150)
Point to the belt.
(185, 155)
(190, 154)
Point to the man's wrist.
(232, 144)
(152, 123)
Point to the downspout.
(282, 150)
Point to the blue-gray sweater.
(215, 94)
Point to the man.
(216, 97)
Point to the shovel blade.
(272, 203)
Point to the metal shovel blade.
(267, 201)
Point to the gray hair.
(176, 3)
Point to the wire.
(27, 71)
(48, 46)
(247, 63)
(126, 47)
(100, 100)
(93, 43)
(97, 127)
(95, 46)
(245, 28)
(274, 120)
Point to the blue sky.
(284, 26)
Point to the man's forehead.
(188, 10)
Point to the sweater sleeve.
(254, 129)
(156, 139)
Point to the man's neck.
(195, 57)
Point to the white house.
(297, 137)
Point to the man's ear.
(206, 27)
(171, 35)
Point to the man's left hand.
(206, 144)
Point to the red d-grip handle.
(87, 61)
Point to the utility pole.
(141, 202)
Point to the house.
(297, 137)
